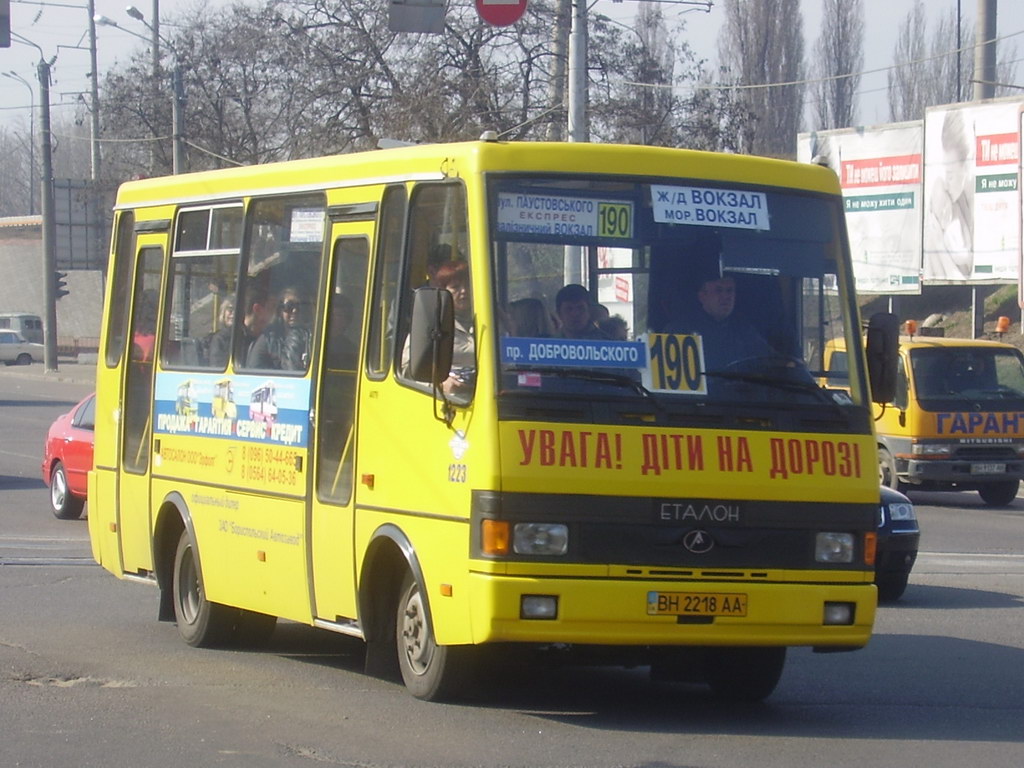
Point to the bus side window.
(121, 291)
(438, 225)
(279, 298)
(381, 338)
(201, 304)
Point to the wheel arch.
(172, 518)
(388, 555)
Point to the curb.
(68, 371)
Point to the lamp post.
(47, 209)
(94, 87)
(31, 139)
(178, 99)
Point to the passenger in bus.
(285, 343)
(144, 336)
(454, 277)
(725, 337)
(218, 343)
(615, 327)
(529, 318)
(573, 310)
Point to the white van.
(28, 325)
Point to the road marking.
(971, 561)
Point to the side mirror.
(883, 345)
(432, 335)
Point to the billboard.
(880, 170)
(971, 199)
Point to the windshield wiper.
(775, 382)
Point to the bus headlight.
(833, 547)
(540, 539)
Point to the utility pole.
(94, 95)
(178, 120)
(49, 222)
(985, 51)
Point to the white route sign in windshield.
(707, 207)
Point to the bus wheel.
(201, 624)
(999, 494)
(64, 505)
(744, 674)
(430, 671)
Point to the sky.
(59, 26)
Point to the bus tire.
(64, 505)
(431, 672)
(999, 494)
(744, 675)
(201, 624)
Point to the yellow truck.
(957, 420)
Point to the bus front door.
(133, 491)
(332, 521)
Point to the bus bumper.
(615, 612)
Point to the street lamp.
(177, 102)
(31, 139)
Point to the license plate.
(696, 604)
(988, 469)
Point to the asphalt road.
(88, 677)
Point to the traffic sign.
(501, 13)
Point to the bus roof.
(439, 161)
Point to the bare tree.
(937, 68)
(15, 154)
(840, 59)
(761, 47)
(632, 71)
(908, 78)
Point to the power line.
(812, 81)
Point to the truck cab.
(956, 422)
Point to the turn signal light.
(870, 548)
(494, 537)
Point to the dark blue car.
(898, 539)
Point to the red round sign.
(501, 13)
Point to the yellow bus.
(438, 447)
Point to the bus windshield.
(690, 292)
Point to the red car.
(67, 458)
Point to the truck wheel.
(64, 505)
(201, 624)
(430, 671)
(744, 674)
(999, 494)
(24, 359)
(887, 469)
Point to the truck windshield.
(946, 376)
(687, 293)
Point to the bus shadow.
(891, 691)
(894, 689)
